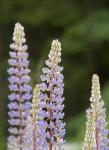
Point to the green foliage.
(99, 26)
(3, 143)
(106, 96)
(75, 127)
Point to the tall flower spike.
(20, 95)
(32, 140)
(97, 107)
(51, 100)
(89, 140)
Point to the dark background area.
(82, 26)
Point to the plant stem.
(50, 146)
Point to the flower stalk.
(99, 116)
(51, 100)
(20, 88)
(31, 136)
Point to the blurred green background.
(83, 28)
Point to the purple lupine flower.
(99, 120)
(20, 95)
(34, 134)
(51, 99)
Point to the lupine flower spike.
(20, 96)
(32, 137)
(90, 140)
(51, 100)
(99, 116)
